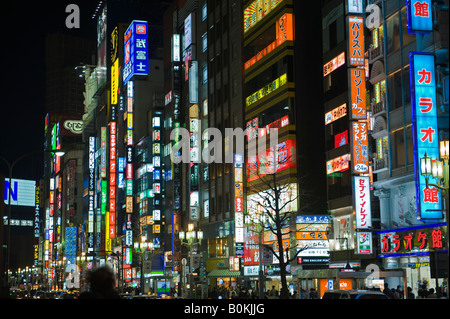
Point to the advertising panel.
(425, 131)
(338, 164)
(335, 63)
(336, 114)
(22, 192)
(419, 15)
(356, 41)
(364, 243)
(360, 147)
(361, 194)
(358, 94)
(412, 240)
(135, 50)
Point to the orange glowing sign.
(360, 147)
(358, 94)
(356, 41)
(284, 32)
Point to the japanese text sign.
(361, 193)
(412, 240)
(135, 50)
(360, 147)
(358, 94)
(419, 15)
(425, 131)
(364, 242)
(356, 41)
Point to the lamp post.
(439, 170)
(142, 247)
(193, 239)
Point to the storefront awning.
(224, 273)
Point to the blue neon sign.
(419, 16)
(135, 50)
(425, 131)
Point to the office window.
(205, 74)
(204, 12)
(399, 88)
(205, 42)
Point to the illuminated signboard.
(135, 50)
(176, 45)
(188, 24)
(284, 32)
(103, 151)
(269, 88)
(256, 11)
(356, 41)
(360, 147)
(358, 94)
(425, 131)
(419, 16)
(23, 192)
(364, 243)
(412, 240)
(239, 204)
(334, 64)
(284, 156)
(355, 6)
(336, 114)
(112, 178)
(341, 139)
(361, 194)
(338, 164)
(114, 81)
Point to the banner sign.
(425, 131)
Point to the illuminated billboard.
(23, 192)
(360, 147)
(136, 50)
(356, 41)
(419, 16)
(361, 194)
(358, 94)
(425, 131)
(256, 11)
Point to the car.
(354, 294)
(40, 295)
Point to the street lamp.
(193, 239)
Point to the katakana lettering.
(425, 76)
(422, 238)
(427, 134)
(408, 241)
(427, 102)
(396, 241)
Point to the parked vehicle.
(354, 294)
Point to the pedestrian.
(395, 294)
(273, 294)
(313, 294)
(400, 292)
(388, 291)
(302, 293)
(410, 294)
(431, 295)
(101, 283)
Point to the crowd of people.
(423, 293)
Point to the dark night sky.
(24, 25)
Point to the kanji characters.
(421, 9)
(436, 236)
(430, 195)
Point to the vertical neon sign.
(420, 17)
(425, 130)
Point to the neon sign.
(425, 131)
